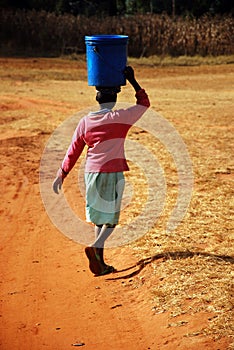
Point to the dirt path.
(49, 298)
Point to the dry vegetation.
(41, 33)
(197, 271)
(193, 265)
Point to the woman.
(104, 132)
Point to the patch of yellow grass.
(197, 272)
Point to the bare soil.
(49, 298)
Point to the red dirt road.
(49, 298)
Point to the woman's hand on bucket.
(130, 76)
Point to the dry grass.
(193, 265)
(167, 61)
(40, 33)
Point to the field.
(52, 35)
(173, 290)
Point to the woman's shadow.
(141, 264)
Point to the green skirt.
(104, 193)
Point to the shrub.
(43, 33)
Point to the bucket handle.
(95, 49)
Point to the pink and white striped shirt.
(104, 133)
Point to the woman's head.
(107, 96)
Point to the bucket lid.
(106, 38)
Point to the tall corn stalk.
(42, 33)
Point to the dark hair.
(102, 97)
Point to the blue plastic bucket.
(106, 59)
